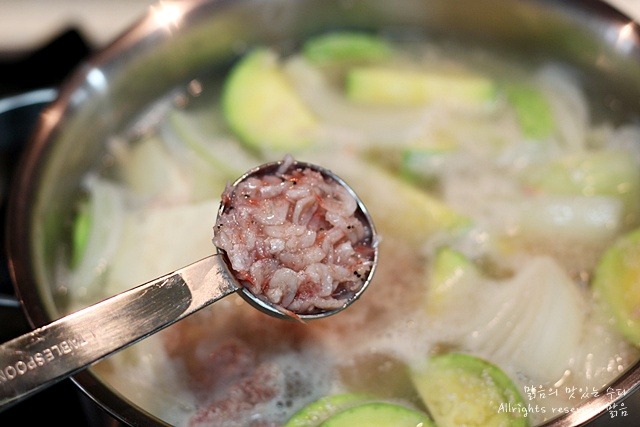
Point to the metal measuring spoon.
(70, 344)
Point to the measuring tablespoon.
(40, 358)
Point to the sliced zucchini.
(262, 108)
(388, 86)
(449, 280)
(405, 211)
(532, 109)
(318, 411)
(617, 284)
(346, 47)
(424, 157)
(463, 390)
(590, 173)
(379, 414)
(423, 164)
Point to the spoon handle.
(55, 351)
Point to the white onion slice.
(538, 323)
(106, 210)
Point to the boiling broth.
(492, 174)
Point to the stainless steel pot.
(180, 40)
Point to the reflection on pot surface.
(504, 183)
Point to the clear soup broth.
(497, 190)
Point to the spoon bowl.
(361, 214)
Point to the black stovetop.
(23, 74)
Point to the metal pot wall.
(177, 41)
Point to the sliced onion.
(197, 131)
(532, 322)
(570, 108)
(148, 169)
(159, 239)
(578, 218)
(538, 323)
(106, 212)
